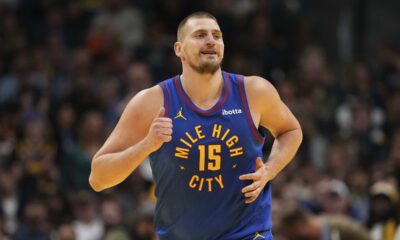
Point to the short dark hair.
(200, 14)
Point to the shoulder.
(154, 94)
(147, 101)
(258, 85)
(260, 92)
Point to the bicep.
(133, 124)
(278, 118)
(274, 114)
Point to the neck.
(203, 89)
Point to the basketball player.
(201, 130)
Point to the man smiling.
(211, 181)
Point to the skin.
(200, 48)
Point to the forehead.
(195, 24)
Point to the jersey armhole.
(166, 98)
(257, 134)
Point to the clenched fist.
(160, 132)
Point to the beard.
(206, 67)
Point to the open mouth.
(208, 53)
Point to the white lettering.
(231, 111)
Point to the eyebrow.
(205, 30)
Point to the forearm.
(283, 150)
(111, 169)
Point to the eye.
(200, 35)
(217, 36)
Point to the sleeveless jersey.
(197, 173)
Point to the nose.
(210, 40)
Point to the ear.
(178, 49)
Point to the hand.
(160, 132)
(260, 179)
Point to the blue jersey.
(197, 173)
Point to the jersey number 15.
(214, 157)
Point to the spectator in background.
(64, 232)
(35, 225)
(10, 198)
(333, 197)
(36, 152)
(384, 215)
(297, 224)
(87, 225)
(77, 21)
(139, 77)
(8, 135)
(110, 101)
(58, 208)
(75, 161)
(389, 69)
(339, 160)
(367, 136)
(111, 212)
(393, 112)
(143, 224)
(394, 154)
(359, 184)
(82, 89)
(65, 126)
(3, 234)
(120, 24)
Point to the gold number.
(214, 152)
(214, 157)
(202, 157)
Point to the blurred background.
(68, 68)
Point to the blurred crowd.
(68, 68)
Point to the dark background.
(68, 68)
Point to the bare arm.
(141, 130)
(277, 117)
(269, 111)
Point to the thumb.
(161, 112)
(259, 163)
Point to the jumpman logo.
(258, 236)
(180, 115)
